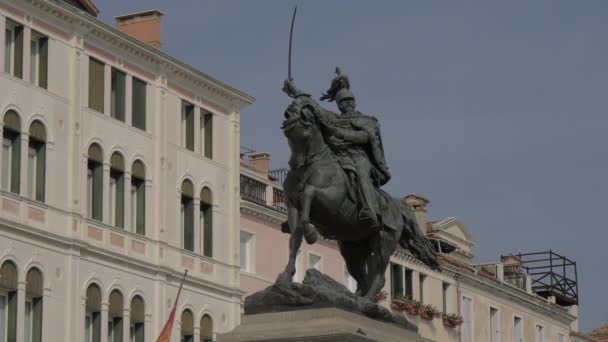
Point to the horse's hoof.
(283, 278)
(311, 236)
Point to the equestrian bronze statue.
(336, 169)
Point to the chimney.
(143, 26)
(261, 162)
(418, 204)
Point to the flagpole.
(181, 284)
(165, 334)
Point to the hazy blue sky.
(496, 111)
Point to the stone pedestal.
(317, 325)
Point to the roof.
(587, 337)
(139, 14)
(600, 333)
(86, 5)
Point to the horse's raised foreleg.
(310, 233)
(295, 241)
(382, 246)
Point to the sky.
(497, 111)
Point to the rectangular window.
(28, 321)
(96, 84)
(518, 330)
(397, 290)
(39, 55)
(494, 325)
(445, 291)
(207, 134)
(467, 317)
(3, 311)
(409, 284)
(11, 160)
(314, 261)
(139, 104)
(206, 216)
(540, 334)
(13, 63)
(245, 251)
(188, 125)
(421, 284)
(31, 172)
(117, 95)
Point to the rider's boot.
(368, 217)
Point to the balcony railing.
(278, 175)
(253, 190)
(279, 201)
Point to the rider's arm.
(353, 136)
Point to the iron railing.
(279, 201)
(253, 190)
(278, 175)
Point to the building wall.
(73, 251)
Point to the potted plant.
(452, 320)
(429, 312)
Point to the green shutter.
(97, 192)
(96, 316)
(117, 329)
(16, 164)
(139, 332)
(139, 104)
(208, 120)
(118, 95)
(43, 49)
(18, 53)
(207, 230)
(37, 323)
(40, 171)
(190, 127)
(140, 221)
(188, 224)
(11, 326)
(120, 201)
(96, 85)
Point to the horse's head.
(301, 129)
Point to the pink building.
(263, 247)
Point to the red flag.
(165, 334)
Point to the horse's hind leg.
(354, 254)
(295, 241)
(382, 245)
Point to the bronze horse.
(317, 191)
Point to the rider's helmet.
(344, 93)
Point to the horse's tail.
(414, 241)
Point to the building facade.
(120, 169)
(495, 301)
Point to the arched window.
(187, 332)
(138, 309)
(207, 221)
(115, 313)
(8, 301)
(11, 152)
(36, 161)
(138, 197)
(206, 328)
(187, 215)
(33, 305)
(92, 318)
(117, 190)
(95, 182)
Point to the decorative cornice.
(210, 88)
(262, 212)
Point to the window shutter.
(96, 327)
(97, 192)
(207, 230)
(190, 127)
(208, 119)
(117, 329)
(16, 164)
(11, 326)
(120, 201)
(37, 323)
(18, 53)
(141, 208)
(40, 171)
(43, 50)
(188, 225)
(139, 104)
(96, 85)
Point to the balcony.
(267, 194)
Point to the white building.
(120, 169)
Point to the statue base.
(317, 325)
